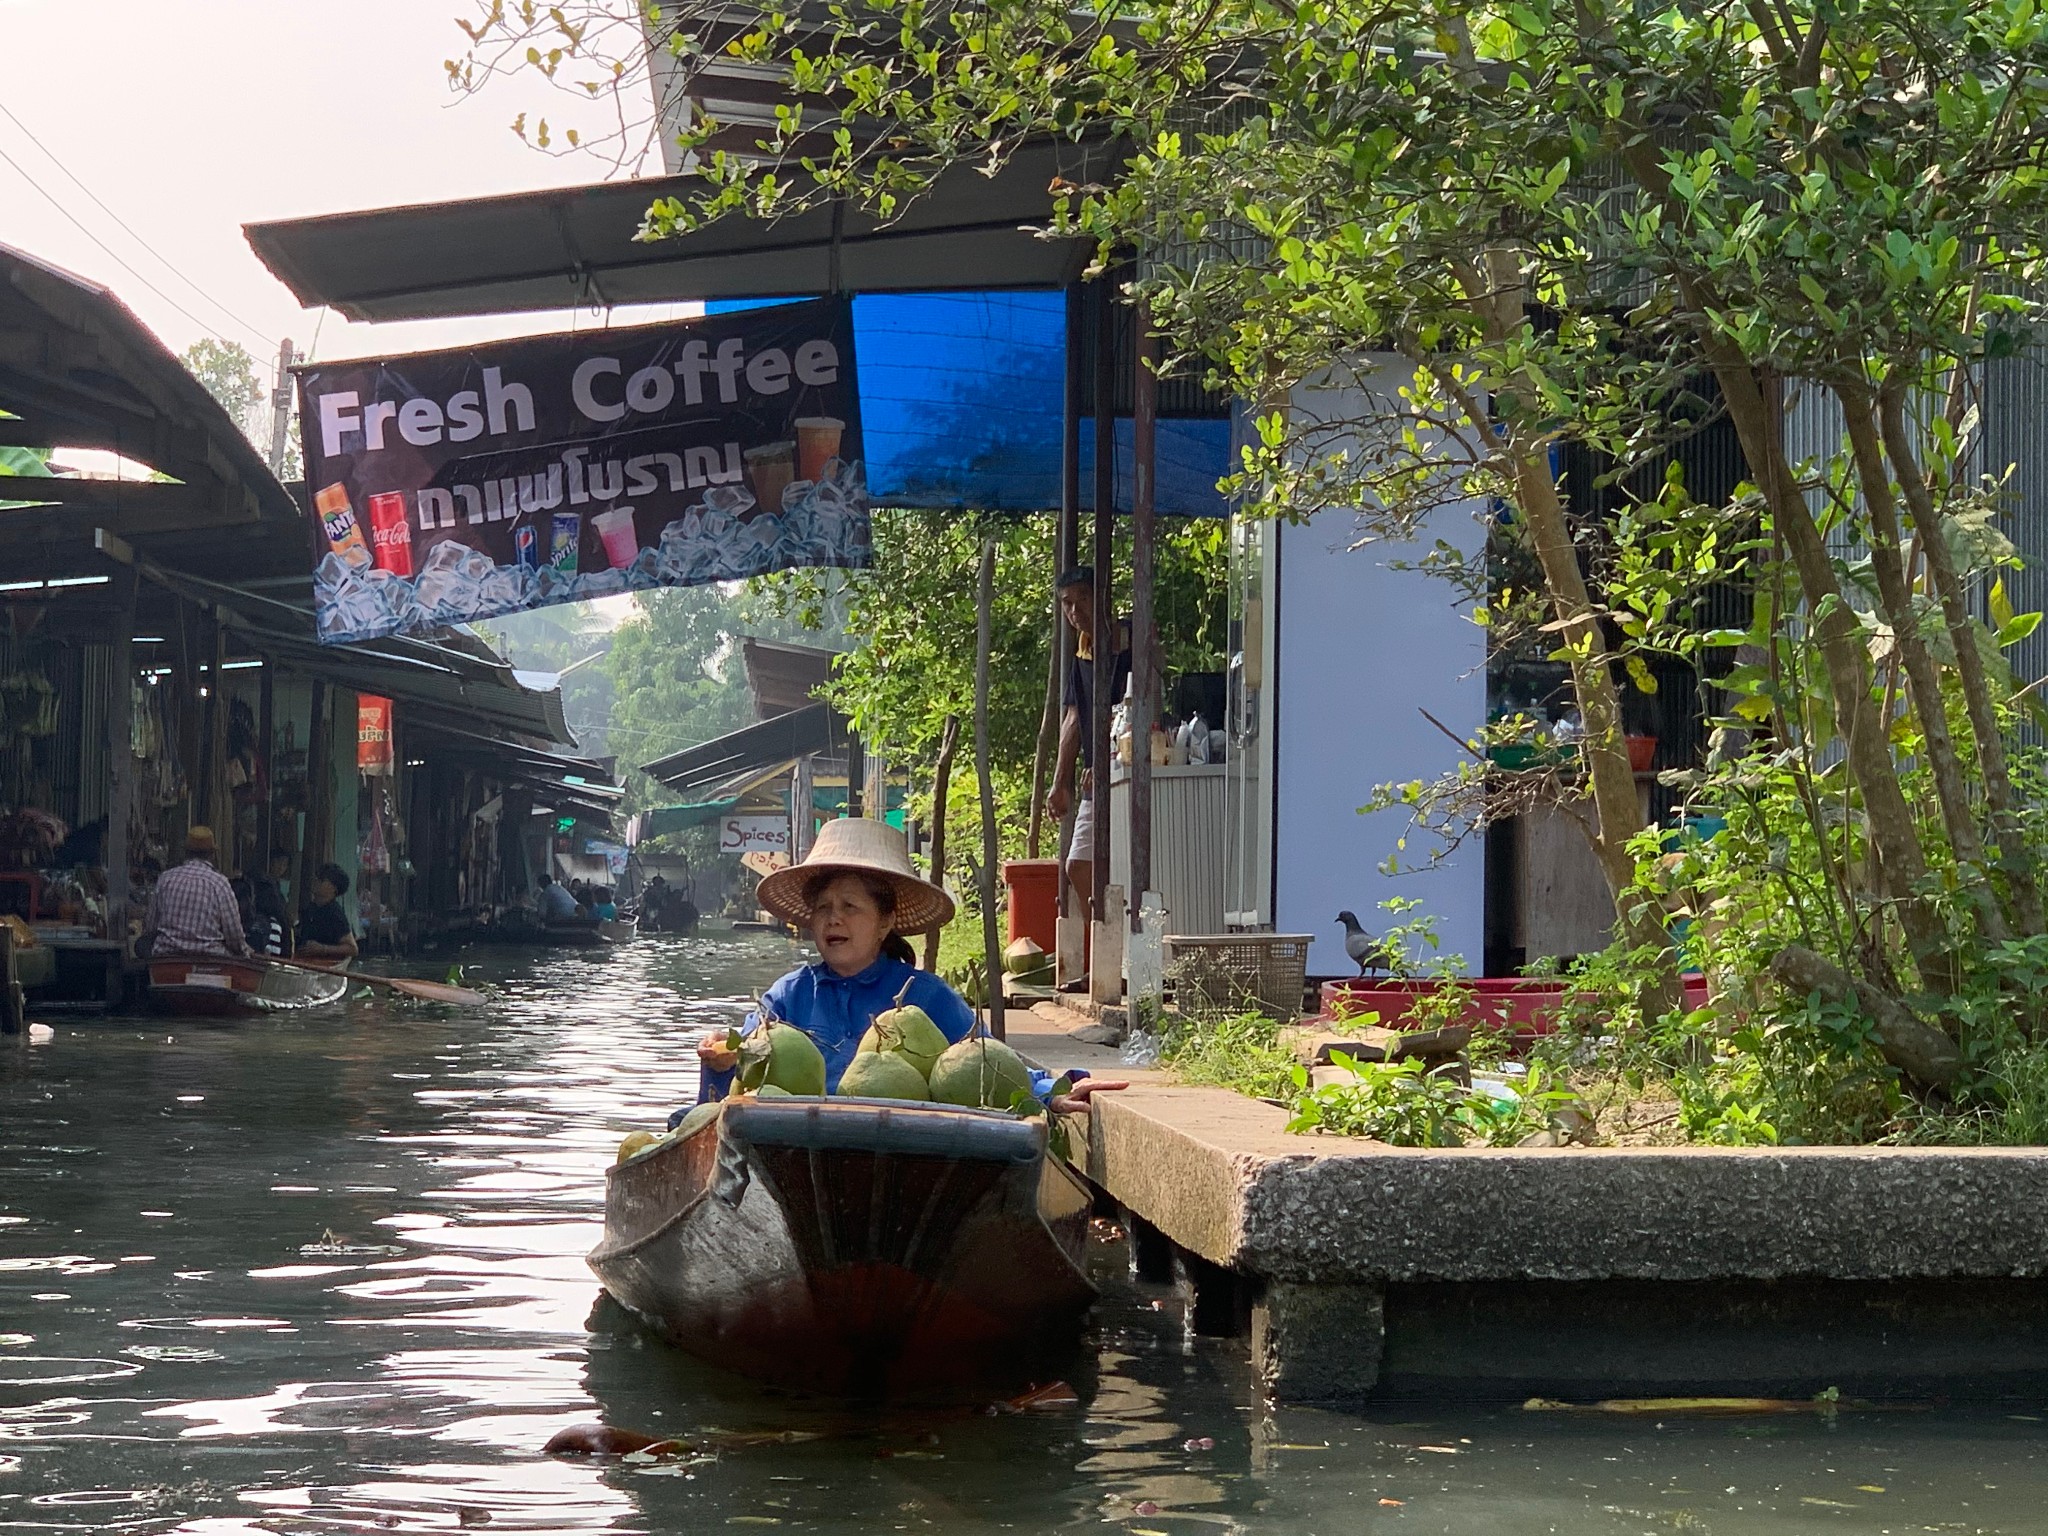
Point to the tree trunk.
(1048, 736)
(1923, 678)
(2016, 861)
(1926, 1055)
(1605, 752)
(942, 787)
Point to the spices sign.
(373, 734)
(754, 834)
(450, 486)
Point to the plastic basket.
(1233, 971)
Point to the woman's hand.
(1075, 1100)
(715, 1055)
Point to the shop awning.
(79, 370)
(575, 246)
(460, 686)
(665, 819)
(800, 733)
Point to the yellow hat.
(199, 840)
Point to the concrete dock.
(1359, 1270)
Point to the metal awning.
(79, 370)
(462, 687)
(800, 733)
(575, 246)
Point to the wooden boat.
(855, 1247)
(218, 986)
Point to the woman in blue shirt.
(858, 895)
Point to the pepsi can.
(526, 539)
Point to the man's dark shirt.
(1081, 694)
(323, 923)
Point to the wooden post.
(121, 754)
(219, 801)
(991, 848)
(1104, 639)
(1071, 962)
(1144, 684)
(801, 808)
(942, 786)
(319, 792)
(13, 1002)
(189, 702)
(266, 731)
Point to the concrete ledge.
(1218, 1174)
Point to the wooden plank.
(1144, 686)
(120, 730)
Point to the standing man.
(1076, 589)
(193, 910)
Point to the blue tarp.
(961, 397)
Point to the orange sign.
(373, 733)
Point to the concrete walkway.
(1359, 1268)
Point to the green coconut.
(770, 1091)
(906, 1032)
(1023, 957)
(637, 1142)
(698, 1118)
(980, 1074)
(782, 1056)
(883, 1075)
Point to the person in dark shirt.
(324, 933)
(1077, 730)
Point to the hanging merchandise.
(374, 855)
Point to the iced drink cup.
(817, 444)
(770, 468)
(563, 547)
(390, 534)
(338, 522)
(621, 539)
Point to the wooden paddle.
(425, 991)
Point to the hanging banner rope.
(450, 486)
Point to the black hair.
(265, 899)
(335, 876)
(1079, 576)
(245, 894)
(546, 880)
(897, 947)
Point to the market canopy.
(802, 732)
(574, 246)
(79, 370)
(461, 687)
(665, 819)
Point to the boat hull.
(855, 1248)
(222, 987)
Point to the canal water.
(325, 1274)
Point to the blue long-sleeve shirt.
(835, 1011)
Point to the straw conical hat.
(871, 847)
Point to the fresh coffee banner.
(460, 485)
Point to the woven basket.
(1235, 971)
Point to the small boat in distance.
(222, 986)
(860, 1248)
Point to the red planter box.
(1519, 1004)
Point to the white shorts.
(1081, 846)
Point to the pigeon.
(1369, 953)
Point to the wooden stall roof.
(772, 743)
(79, 370)
(782, 677)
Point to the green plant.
(1243, 1051)
(1406, 1105)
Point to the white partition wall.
(1360, 649)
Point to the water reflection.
(327, 1274)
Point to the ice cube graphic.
(733, 500)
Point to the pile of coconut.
(903, 1057)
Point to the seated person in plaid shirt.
(193, 910)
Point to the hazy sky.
(190, 118)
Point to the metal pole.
(281, 407)
(1144, 685)
(121, 754)
(1104, 639)
(991, 848)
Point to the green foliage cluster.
(1585, 229)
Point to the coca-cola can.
(390, 533)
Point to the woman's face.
(847, 926)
